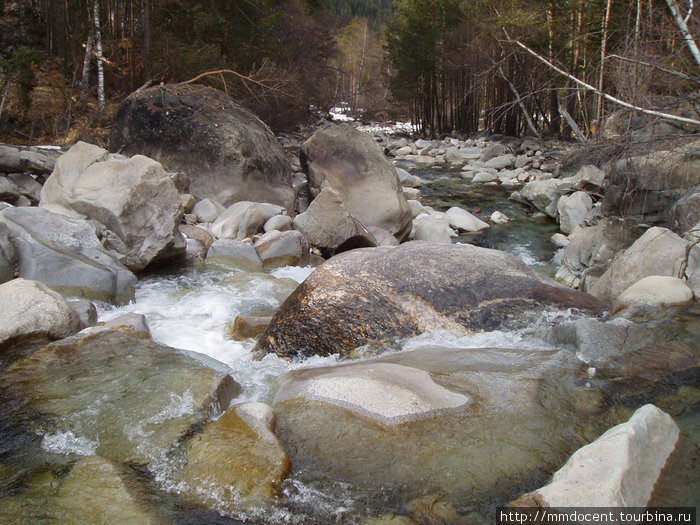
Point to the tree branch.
(654, 66)
(665, 116)
(519, 100)
(239, 75)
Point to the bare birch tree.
(682, 23)
(100, 65)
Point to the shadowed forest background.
(447, 65)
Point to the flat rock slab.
(387, 392)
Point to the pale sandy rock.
(651, 294)
(31, 310)
(461, 219)
(619, 469)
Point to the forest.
(513, 67)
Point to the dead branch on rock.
(245, 79)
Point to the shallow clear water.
(526, 235)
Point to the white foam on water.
(298, 273)
(68, 443)
(526, 255)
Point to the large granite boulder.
(31, 310)
(132, 201)
(136, 398)
(354, 165)
(228, 153)
(658, 252)
(374, 294)
(65, 254)
(591, 249)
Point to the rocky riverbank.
(434, 430)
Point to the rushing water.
(192, 306)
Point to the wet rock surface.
(376, 294)
(136, 398)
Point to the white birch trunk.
(100, 65)
(683, 26)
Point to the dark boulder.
(228, 153)
(376, 294)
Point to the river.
(191, 306)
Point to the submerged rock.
(619, 469)
(248, 327)
(450, 421)
(377, 294)
(97, 490)
(94, 490)
(236, 462)
(128, 398)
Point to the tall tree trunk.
(58, 37)
(100, 65)
(554, 116)
(603, 54)
(85, 79)
(146, 45)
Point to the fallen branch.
(572, 124)
(665, 116)
(239, 75)
(530, 124)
